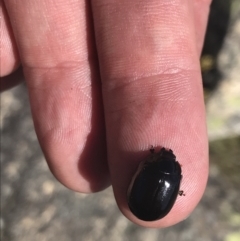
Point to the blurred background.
(36, 207)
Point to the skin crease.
(102, 95)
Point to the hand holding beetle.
(108, 81)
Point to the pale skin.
(106, 82)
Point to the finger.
(59, 61)
(9, 59)
(152, 94)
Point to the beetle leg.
(152, 149)
(181, 193)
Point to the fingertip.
(9, 58)
(82, 174)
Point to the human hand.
(108, 81)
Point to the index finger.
(152, 91)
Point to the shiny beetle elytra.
(155, 186)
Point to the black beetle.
(155, 186)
